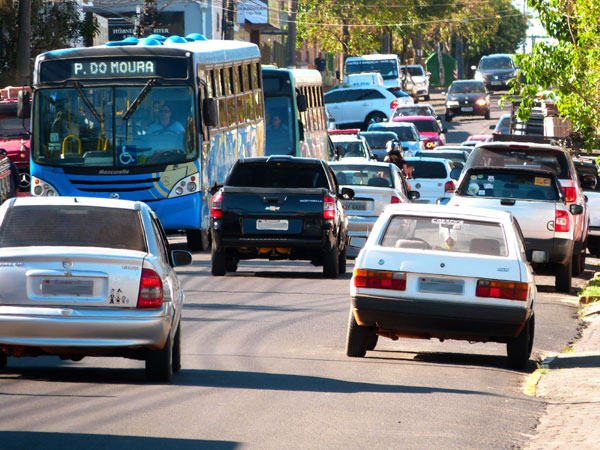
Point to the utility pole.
(291, 37)
(146, 19)
(23, 47)
(460, 74)
(230, 22)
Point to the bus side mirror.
(301, 100)
(24, 105)
(209, 112)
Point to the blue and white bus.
(296, 121)
(158, 120)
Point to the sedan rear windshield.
(541, 159)
(447, 234)
(525, 186)
(277, 176)
(426, 126)
(72, 226)
(361, 175)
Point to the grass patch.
(569, 349)
(591, 289)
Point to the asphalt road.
(264, 367)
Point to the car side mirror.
(24, 105)
(180, 258)
(414, 195)
(301, 100)
(576, 209)
(357, 242)
(347, 193)
(455, 173)
(209, 112)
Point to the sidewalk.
(571, 388)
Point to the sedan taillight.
(502, 289)
(561, 221)
(380, 279)
(394, 104)
(216, 211)
(328, 207)
(395, 199)
(151, 290)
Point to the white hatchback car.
(360, 106)
(89, 277)
(435, 271)
(431, 178)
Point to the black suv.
(495, 71)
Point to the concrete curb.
(533, 379)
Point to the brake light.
(449, 186)
(394, 104)
(570, 194)
(502, 289)
(395, 199)
(561, 221)
(328, 207)
(151, 290)
(380, 279)
(216, 211)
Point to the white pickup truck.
(536, 200)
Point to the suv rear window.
(72, 226)
(541, 159)
(525, 186)
(280, 175)
(428, 169)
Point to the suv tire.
(563, 276)
(331, 262)
(374, 116)
(218, 262)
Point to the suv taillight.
(380, 279)
(502, 289)
(561, 221)
(328, 207)
(395, 199)
(394, 104)
(215, 210)
(570, 194)
(151, 290)
(449, 186)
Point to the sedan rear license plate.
(278, 225)
(467, 108)
(441, 285)
(68, 287)
(496, 83)
(355, 206)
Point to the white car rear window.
(445, 234)
(65, 225)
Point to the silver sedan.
(89, 277)
(375, 185)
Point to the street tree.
(569, 65)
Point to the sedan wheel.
(519, 348)
(159, 363)
(357, 341)
(177, 350)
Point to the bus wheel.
(194, 240)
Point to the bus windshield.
(388, 68)
(102, 127)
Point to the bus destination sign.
(107, 68)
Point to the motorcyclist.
(395, 156)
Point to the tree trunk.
(291, 41)
(23, 77)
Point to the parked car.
(545, 157)
(360, 106)
(535, 198)
(467, 98)
(378, 140)
(407, 133)
(432, 134)
(431, 178)
(349, 144)
(434, 271)
(587, 172)
(89, 277)
(458, 157)
(495, 71)
(375, 186)
(502, 126)
(420, 79)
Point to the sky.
(535, 26)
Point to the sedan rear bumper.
(444, 320)
(65, 330)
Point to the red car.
(429, 129)
(14, 134)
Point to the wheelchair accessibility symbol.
(126, 157)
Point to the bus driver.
(165, 124)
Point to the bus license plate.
(278, 225)
(68, 287)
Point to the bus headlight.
(186, 186)
(42, 188)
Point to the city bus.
(296, 121)
(159, 120)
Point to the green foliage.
(53, 26)
(570, 65)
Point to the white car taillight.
(151, 290)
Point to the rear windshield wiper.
(141, 96)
